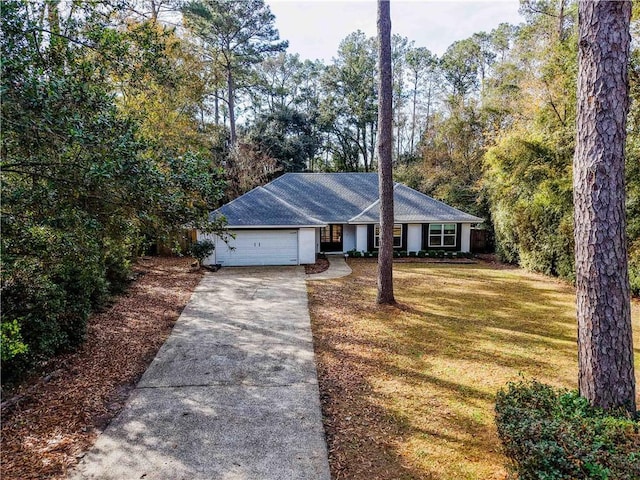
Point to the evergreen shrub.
(556, 435)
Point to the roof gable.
(411, 206)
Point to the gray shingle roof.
(259, 207)
(411, 206)
(316, 199)
(331, 197)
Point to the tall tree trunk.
(365, 152)
(426, 127)
(359, 151)
(231, 103)
(216, 108)
(561, 22)
(372, 143)
(413, 112)
(605, 344)
(398, 138)
(385, 145)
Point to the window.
(397, 236)
(331, 234)
(442, 234)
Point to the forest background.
(124, 121)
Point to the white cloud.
(315, 28)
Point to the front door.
(331, 238)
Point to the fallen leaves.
(320, 266)
(49, 421)
(407, 391)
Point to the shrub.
(634, 268)
(357, 254)
(555, 434)
(412, 254)
(402, 253)
(422, 254)
(117, 262)
(201, 249)
(634, 280)
(431, 254)
(45, 309)
(47, 298)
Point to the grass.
(408, 391)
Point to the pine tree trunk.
(365, 152)
(605, 344)
(413, 113)
(232, 113)
(385, 145)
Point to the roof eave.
(265, 227)
(414, 220)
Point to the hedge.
(551, 434)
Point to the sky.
(315, 28)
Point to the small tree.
(201, 250)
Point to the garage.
(259, 247)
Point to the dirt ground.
(51, 419)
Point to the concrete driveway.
(231, 395)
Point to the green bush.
(422, 254)
(555, 435)
(47, 298)
(412, 254)
(117, 265)
(201, 249)
(431, 254)
(634, 268)
(634, 279)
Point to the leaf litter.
(51, 419)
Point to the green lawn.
(408, 391)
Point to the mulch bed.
(50, 420)
(320, 266)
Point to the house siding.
(306, 245)
(348, 237)
(362, 238)
(465, 241)
(414, 237)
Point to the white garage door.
(259, 247)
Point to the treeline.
(124, 121)
(102, 154)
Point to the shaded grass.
(408, 391)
